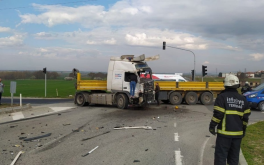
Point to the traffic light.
(204, 70)
(192, 75)
(44, 70)
(164, 45)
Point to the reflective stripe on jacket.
(231, 112)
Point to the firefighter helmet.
(231, 81)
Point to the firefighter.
(231, 112)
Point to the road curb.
(242, 160)
(15, 109)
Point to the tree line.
(13, 75)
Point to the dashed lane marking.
(175, 124)
(176, 137)
(17, 115)
(178, 158)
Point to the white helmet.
(231, 81)
(246, 82)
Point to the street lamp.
(164, 47)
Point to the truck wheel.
(175, 98)
(122, 101)
(261, 106)
(191, 98)
(207, 98)
(80, 99)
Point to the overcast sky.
(225, 35)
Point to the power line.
(45, 4)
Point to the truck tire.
(175, 98)
(261, 106)
(122, 101)
(207, 98)
(191, 98)
(80, 99)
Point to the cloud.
(257, 56)
(60, 53)
(12, 41)
(45, 35)
(233, 18)
(57, 14)
(4, 29)
(133, 37)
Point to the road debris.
(17, 145)
(12, 126)
(135, 161)
(90, 151)
(138, 127)
(66, 124)
(207, 135)
(95, 136)
(75, 130)
(146, 149)
(99, 127)
(21, 138)
(37, 137)
(14, 161)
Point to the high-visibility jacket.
(231, 112)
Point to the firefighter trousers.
(227, 150)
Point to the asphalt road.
(35, 101)
(178, 137)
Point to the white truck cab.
(117, 89)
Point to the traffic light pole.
(193, 56)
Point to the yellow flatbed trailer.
(90, 85)
(190, 92)
(170, 91)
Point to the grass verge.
(253, 144)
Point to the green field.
(36, 88)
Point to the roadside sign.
(12, 90)
(12, 87)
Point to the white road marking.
(178, 158)
(175, 124)
(176, 137)
(17, 115)
(202, 151)
(57, 109)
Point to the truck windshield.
(141, 65)
(145, 75)
(258, 88)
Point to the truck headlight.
(253, 95)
